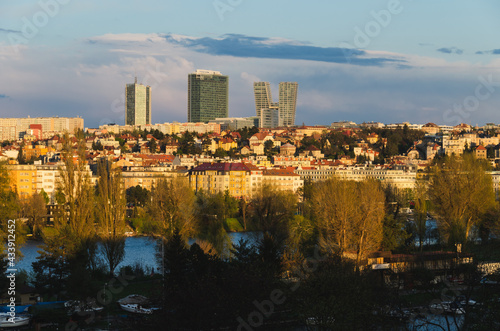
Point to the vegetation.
(461, 193)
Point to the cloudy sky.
(366, 60)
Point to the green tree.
(137, 195)
(212, 210)
(461, 192)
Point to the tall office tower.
(137, 104)
(287, 102)
(263, 97)
(207, 95)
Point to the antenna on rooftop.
(135, 81)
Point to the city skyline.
(368, 61)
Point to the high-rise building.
(288, 102)
(207, 96)
(270, 118)
(263, 97)
(284, 109)
(137, 104)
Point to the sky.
(390, 61)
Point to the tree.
(153, 145)
(137, 195)
(34, 208)
(97, 146)
(368, 225)
(70, 245)
(212, 210)
(334, 204)
(461, 192)
(75, 221)
(273, 211)
(110, 213)
(336, 297)
(349, 215)
(420, 210)
(171, 207)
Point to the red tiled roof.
(222, 167)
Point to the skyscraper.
(288, 102)
(207, 95)
(263, 97)
(137, 104)
(284, 109)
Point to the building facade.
(207, 96)
(137, 104)
(263, 97)
(288, 102)
(16, 128)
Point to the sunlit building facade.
(207, 96)
(137, 104)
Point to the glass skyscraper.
(207, 96)
(137, 104)
(269, 111)
(288, 102)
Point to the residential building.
(207, 96)
(400, 179)
(283, 179)
(481, 152)
(23, 179)
(42, 127)
(147, 176)
(137, 104)
(220, 177)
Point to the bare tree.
(74, 223)
(420, 210)
(172, 207)
(334, 205)
(110, 212)
(349, 215)
(34, 209)
(367, 223)
(461, 192)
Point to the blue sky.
(388, 61)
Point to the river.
(138, 250)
